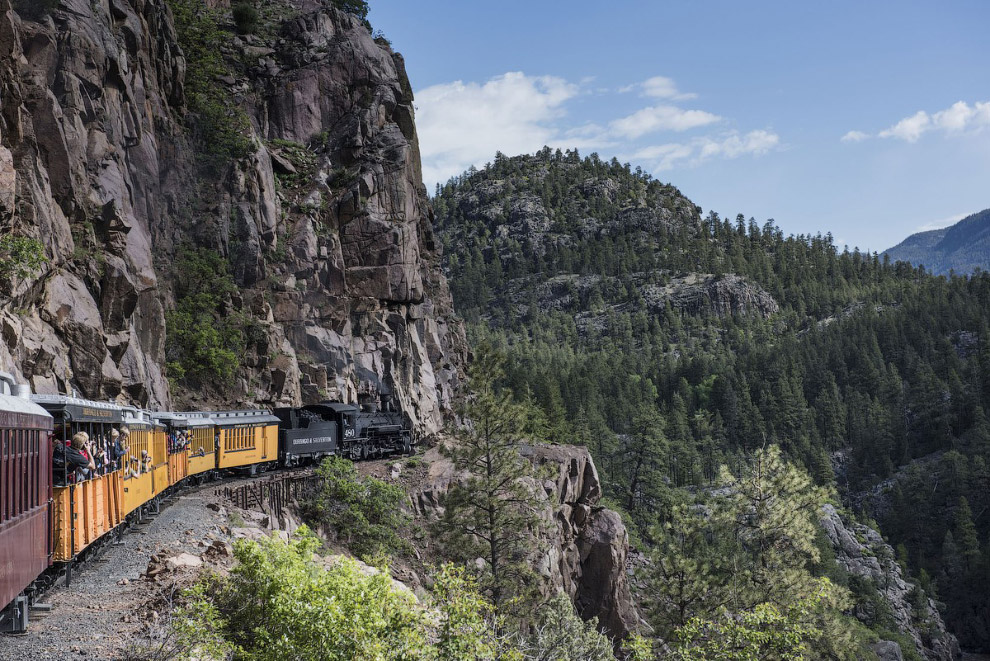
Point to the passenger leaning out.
(77, 459)
(118, 448)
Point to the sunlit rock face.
(326, 225)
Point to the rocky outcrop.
(861, 551)
(586, 545)
(325, 224)
(722, 296)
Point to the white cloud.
(939, 224)
(463, 124)
(909, 128)
(855, 136)
(699, 150)
(661, 87)
(661, 118)
(957, 118)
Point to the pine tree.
(774, 508)
(492, 512)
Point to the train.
(52, 512)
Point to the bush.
(279, 603)
(356, 7)
(245, 17)
(218, 124)
(363, 514)
(203, 342)
(20, 256)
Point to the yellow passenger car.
(246, 438)
(86, 503)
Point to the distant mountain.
(961, 247)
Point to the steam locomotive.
(309, 433)
(51, 513)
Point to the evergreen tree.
(491, 512)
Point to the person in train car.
(133, 470)
(145, 462)
(200, 452)
(76, 460)
(58, 463)
(117, 450)
(101, 459)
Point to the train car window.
(18, 475)
(4, 475)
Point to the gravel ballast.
(102, 612)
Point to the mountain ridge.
(960, 248)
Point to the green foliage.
(20, 256)
(278, 603)
(491, 513)
(356, 7)
(245, 16)
(34, 10)
(772, 509)
(364, 514)
(876, 362)
(763, 633)
(205, 339)
(466, 626)
(560, 635)
(219, 125)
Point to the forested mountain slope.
(672, 343)
(962, 247)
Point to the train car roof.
(181, 419)
(14, 404)
(227, 418)
(140, 417)
(80, 410)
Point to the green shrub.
(357, 7)
(245, 17)
(218, 124)
(20, 256)
(279, 603)
(203, 342)
(363, 514)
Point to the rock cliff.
(323, 221)
(862, 552)
(587, 545)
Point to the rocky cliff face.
(325, 223)
(587, 545)
(862, 552)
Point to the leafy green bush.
(218, 124)
(279, 603)
(20, 256)
(357, 7)
(203, 341)
(363, 514)
(245, 17)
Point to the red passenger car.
(25, 496)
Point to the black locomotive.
(309, 433)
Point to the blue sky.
(870, 120)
